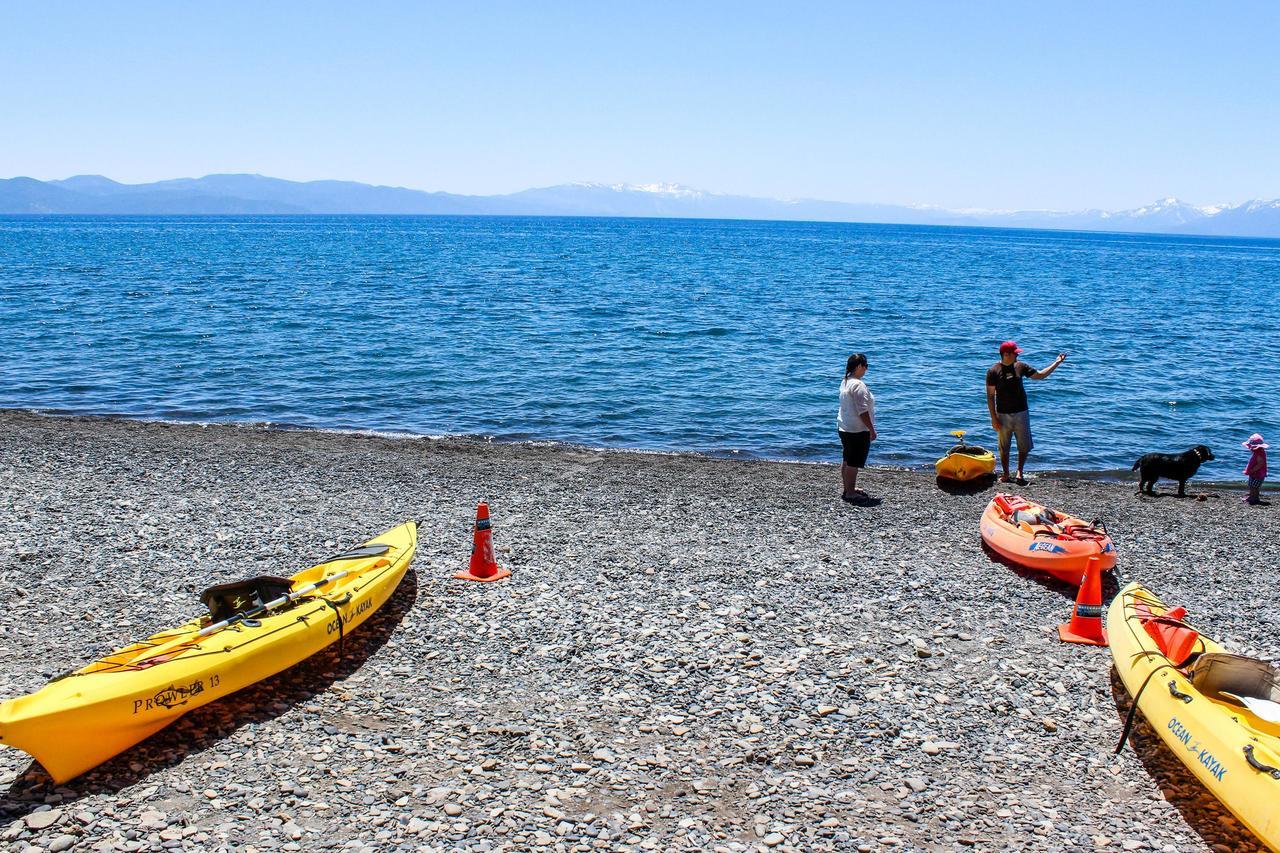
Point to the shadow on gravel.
(971, 487)
(1202, 811)
(1189, 496)
(1110, 583)
(196, 731)
(862, 500)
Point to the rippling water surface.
(720, 337)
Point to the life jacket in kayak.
(1175, 639)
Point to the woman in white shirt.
(856, 424)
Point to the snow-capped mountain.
(1167, 211)
(256, 194)
(668, 190)
(1252, 219)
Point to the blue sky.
(974, 104)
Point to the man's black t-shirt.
(1011, 397)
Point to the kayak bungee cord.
(1131, 602)
(250, 615)
(107, 664)
(244, 618)
(247, 619)
(1133, 709)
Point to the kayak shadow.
(1110, 584)
(966, 487)
(1201, 810)
(195, 732)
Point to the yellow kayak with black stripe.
(254, 630)
(1218, 712)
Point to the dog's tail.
(1136, 465)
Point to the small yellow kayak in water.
(966, 462)
(79, 720)
(1219, 713)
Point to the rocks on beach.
(692, 653)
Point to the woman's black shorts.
(856, 445)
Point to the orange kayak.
(1038, 538)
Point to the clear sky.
(962, 104)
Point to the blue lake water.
(711, 336)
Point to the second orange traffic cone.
(483, 565)
(1086, 619)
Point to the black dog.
(1171, 466)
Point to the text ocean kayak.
(1219, 713)
(1036, 537)
(78, 721)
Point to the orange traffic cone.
(1086, 619)
(483, 566)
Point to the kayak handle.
(1273, 772)
(1178, 694)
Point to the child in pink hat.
(1256, 470)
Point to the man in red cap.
(1007, 402)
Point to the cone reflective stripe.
(483, 566)
(1086, 619)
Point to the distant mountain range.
(255, 194)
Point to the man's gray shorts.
(1019, 424)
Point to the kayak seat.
(228, 599)
(967, 450)
(1246, 681)
(1046, 516)
(1043, 523)
(1215, 673)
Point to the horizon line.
(653, 187)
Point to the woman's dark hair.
(858, 359)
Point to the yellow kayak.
(79, 720)
(1219, 713)
(965, 462)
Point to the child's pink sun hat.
(1255, 442)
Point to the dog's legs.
(1182, 488)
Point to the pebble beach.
(691, 654)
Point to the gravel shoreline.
(693, 653)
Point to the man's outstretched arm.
(1044, 374)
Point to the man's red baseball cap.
(1010, 346)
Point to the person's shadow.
(196, 731)
(1206, 816)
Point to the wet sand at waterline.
(691, 653)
